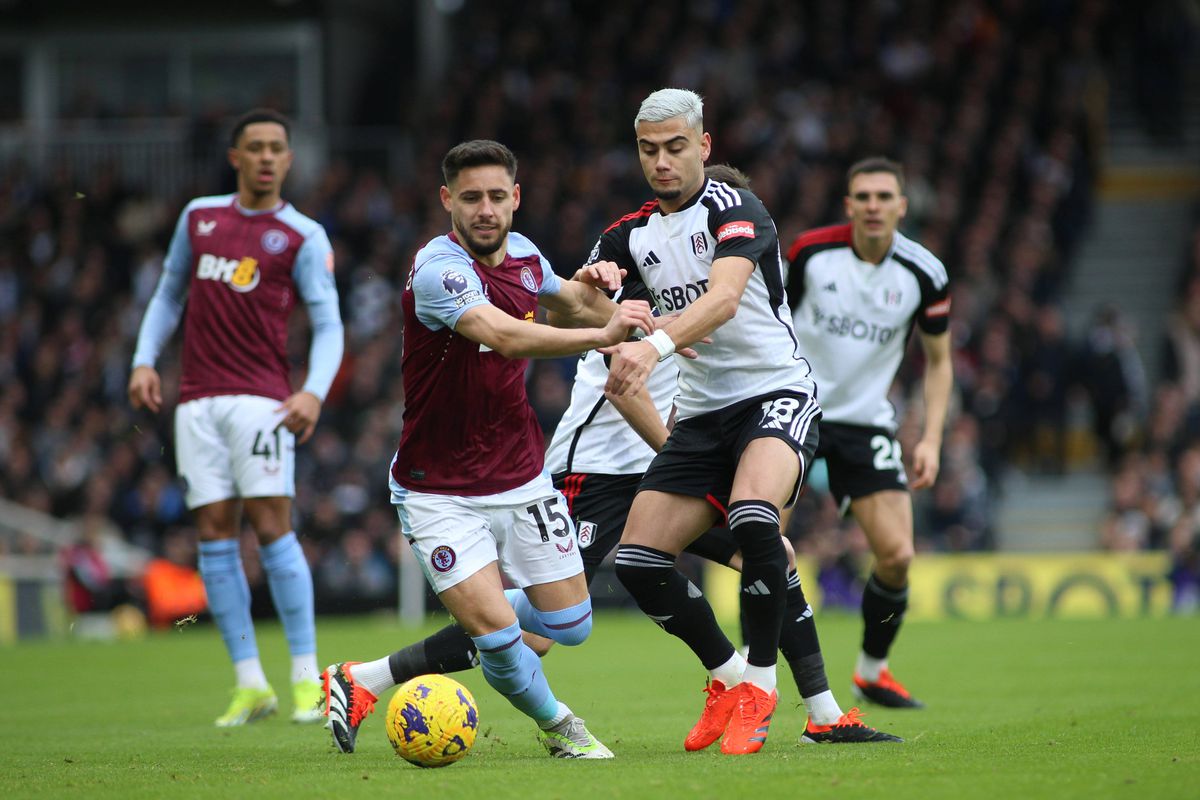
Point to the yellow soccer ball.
(432, 721)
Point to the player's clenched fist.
(631, 364)
(145, 389)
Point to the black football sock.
(448, 650)
(799, 644)
(755, 523)
(883, 610)
(673, 602)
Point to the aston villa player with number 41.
(240, 261)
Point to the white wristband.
(662, 342)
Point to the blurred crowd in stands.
(996, 110)
(1155, 499)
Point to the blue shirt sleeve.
(313, 274)
(551, 283)
(165, 308)
(443, 288)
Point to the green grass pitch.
(1055, 709)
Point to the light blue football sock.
(290, 581)
(515, 671)
(568, 626)
(228, 596)
(526, 616)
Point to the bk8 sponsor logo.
(240, 275)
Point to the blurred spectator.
(1132, 522)
(1181, 356)
(1184, 536)
(87, 578)
(1111, 371)
(1045, 380)
(354, 576)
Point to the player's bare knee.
(538, 644)
(270, 517)
(791, 552)
(892, 567)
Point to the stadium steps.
(1130, 259)
(1042, 513)
(1128, 142)
(1144, 216)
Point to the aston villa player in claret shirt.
(468, 482)
(235, 269)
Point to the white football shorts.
(526, 529)
(234, 446)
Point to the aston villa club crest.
(443, 558)
(527, 280)
(274, 241)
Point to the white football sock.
(375, 676)
(729, 673)
(250, 674)
(304, 668)
(762, 677)
(562, 713)
(868, 668)
(822, 708)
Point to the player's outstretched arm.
(640, 412)
(633, 361)
(939, 380)
(579, 304)
(514, 338)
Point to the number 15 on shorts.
(549, 519)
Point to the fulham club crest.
(699, 244)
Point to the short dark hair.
(259, 115)
(478, 153)
(727, 173)
(876, 164)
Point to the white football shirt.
(752, 354)
(592, 437)
(853, 318)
